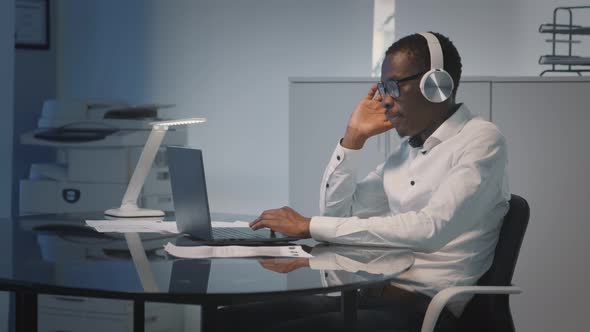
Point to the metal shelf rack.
(573, 63)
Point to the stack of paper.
(133, 226)
(235, 251)
(149, 226)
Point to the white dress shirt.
(445, 200)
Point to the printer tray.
(74, 134)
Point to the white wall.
(225, 60)
(495, 38)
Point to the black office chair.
(489, 309)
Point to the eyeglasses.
(391, 87)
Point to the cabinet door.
(476, 96)
(318, 114)
(546, 128)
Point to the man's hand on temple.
(284, 220)
(367, 120)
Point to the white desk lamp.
(129, 208)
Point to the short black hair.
(417, 46)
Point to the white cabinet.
(73, 314)
(546, 127)
(476, 96)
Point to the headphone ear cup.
(436, 85)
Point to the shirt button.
(337, 157)
(327, 185)
(412, 182)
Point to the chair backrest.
(492, 312)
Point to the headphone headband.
(436, 54)
(436, 85)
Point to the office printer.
(97, 146)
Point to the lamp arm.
(142, 264)
(143, 166)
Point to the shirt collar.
(449, 128)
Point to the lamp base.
(133, 213)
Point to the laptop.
(191, 204)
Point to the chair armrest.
(439, 301)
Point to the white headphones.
(436, 85)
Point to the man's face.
(416, 114)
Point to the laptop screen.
(189, 191)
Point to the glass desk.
(59, 255)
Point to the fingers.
(371, 93)
(378, 97)
(257, 223)
(374, 104)
(264, 215)
(267, 220)
(375, 107)
(266, 262)
(261, 224)
(284, 220)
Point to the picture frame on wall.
(31, 24)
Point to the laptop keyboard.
(239, 233)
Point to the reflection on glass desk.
(58, 254)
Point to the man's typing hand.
(282, 265)
(284, 220)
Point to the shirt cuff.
(323, 262)
(323, 228)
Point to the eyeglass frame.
(381, 86)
